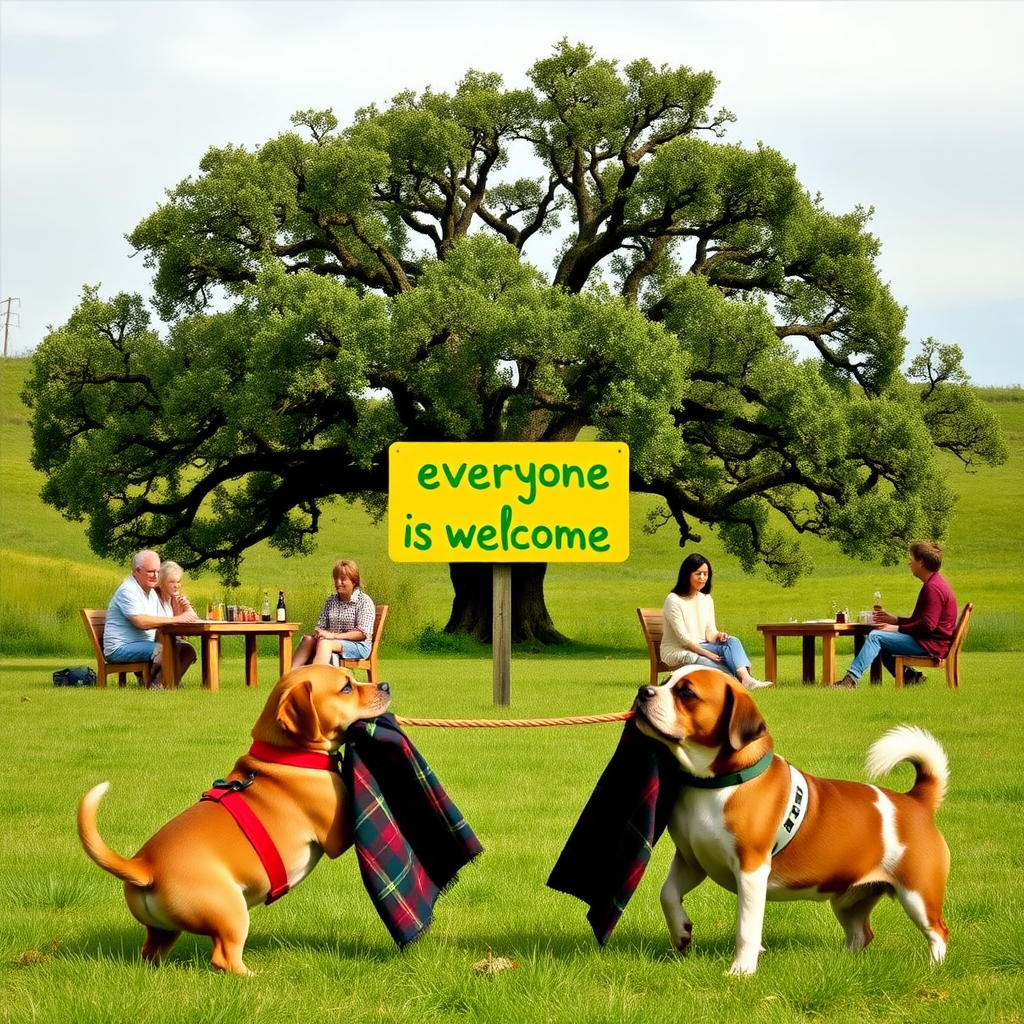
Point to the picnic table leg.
(168, 661)
(211, 661)
(250, 659)
(771, 661)
(284, 654)
(808, 652)
(828, 659)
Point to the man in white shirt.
(134, 614)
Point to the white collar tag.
(794, 817)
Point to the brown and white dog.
(772, 833)
(199, 873)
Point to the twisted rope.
(514, 723)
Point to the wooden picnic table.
(210, 633)
(827, 630)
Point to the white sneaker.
(758, 684)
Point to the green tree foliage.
(337, 289)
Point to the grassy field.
(69, 948)
(49, 571)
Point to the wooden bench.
(95, 620)
(380, 616)
(652, 622)
(951, 661)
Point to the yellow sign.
(509, 501)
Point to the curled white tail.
(920, 748)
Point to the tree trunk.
(472, 610)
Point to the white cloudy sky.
(914, 108)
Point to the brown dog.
(761, 829)
(200, 873)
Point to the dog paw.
(683, 939)
(742, 968)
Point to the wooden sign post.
(501, 633)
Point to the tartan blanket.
(410, 839)
(608, 850)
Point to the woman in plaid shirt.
(346, 622)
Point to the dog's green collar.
(732, 779)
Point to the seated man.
(926, 633)
(133, 615)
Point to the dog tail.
(135, 871)
(923, 751)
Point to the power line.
(7, 320)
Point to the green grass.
(69, 949)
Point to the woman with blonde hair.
(173, 602)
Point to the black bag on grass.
(75, 677)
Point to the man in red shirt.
(926, 633)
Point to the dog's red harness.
(229, 796)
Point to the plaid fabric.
(340, 616)
(410, 838)
(607, 852)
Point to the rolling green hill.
(47, 571)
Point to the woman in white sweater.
(691, 636)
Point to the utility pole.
(7, 321)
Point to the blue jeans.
(351, 650)
(888, 645)
(137, 650)
(731, 652)
(355, 650)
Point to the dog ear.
(297, 713)
(745, 722)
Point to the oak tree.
(504, 264)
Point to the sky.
(913, 108)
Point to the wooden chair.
(95, 619)
(652, 622)
(380, 616)
(951, 661)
